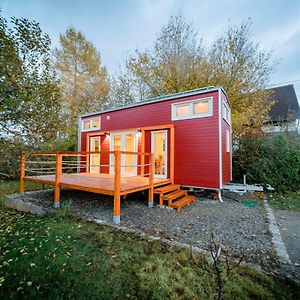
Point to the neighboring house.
(285, 114)
(189, 134)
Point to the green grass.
(285, 201)
(62, 256)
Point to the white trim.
(220, 141)
(228, 121)
(78, 143)
(191, 114)
(123, 141)
(228, 147)
(166, 152)
(91, 124)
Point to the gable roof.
(161, 98)
(286, 105)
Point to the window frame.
(91, 120)
(228, 144)
(191, 114)
(225, 111)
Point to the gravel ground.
(240, 229)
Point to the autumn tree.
(28, 88)
(238, 64)
(178, 62)
(83, 81)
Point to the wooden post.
(117, 186)
(22, 172)
(172, 145)
(87, 167)
(151, 180)
(143, 151)
(58, 171)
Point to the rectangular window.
(182, 110)
(228, 141)
(86, 125)
(226, 113)
(198, 108)
(91, 124)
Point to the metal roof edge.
(160, 99)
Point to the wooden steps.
(183, 202)
(176, 197)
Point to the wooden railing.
(59, 163)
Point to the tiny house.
(189, 134)
(158, 145)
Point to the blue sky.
(117, 28)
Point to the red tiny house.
(191, 132)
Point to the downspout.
(220, 147)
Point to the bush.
(273, 160)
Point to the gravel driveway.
(241, 229)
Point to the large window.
(228, 141)
(91, 124)
(192, 109)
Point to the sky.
(117, 28)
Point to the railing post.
(58, 172)
(22, 172)
(117, 186)
(87, 167)
(151, 180)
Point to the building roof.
(159, 99)
(286, 105)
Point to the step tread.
(174, 195)
(183, 201)
(166, 189)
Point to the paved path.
(289, 227)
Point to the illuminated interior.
(95, 158)
(200, 107)
(159, 149)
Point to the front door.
(95, 158)
(159, 146)
(125, 141)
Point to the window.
(91, 124)
(192, 109)
(226, 113)
(182, 110)
(228, 141)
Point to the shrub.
(273, 160)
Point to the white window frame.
(91, 124)
(123, 143)
(191, 114)
(228, 138)
(225, 111)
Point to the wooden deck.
(80, 177)
(98, 183)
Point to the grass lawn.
(286, 201)
(61, 256)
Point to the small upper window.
(192, 109)
(182, 110)
(201, 107)
(91, 124)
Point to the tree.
(178, 62)
(28, 88)
(83, 82)
(237, 64)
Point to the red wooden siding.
(196, 151)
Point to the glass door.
(125, 141)
(95, 158)
(159, 147)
